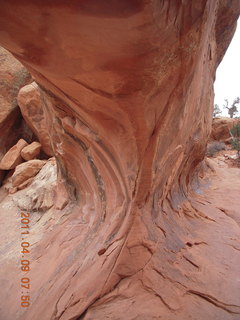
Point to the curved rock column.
(128, 92)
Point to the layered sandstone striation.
(127, 93)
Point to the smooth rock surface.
(31, 151)
(127, 91)
(13, 157)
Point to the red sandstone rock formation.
(127, 92)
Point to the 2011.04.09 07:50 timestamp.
(25, 262)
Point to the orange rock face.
(127, 92)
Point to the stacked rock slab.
(31, 151)
(26, 170)
(127, 88)
(13, 157)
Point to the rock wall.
(127, 88)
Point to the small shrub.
(235, 132)
(216, 111)
(214, 147)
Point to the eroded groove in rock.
(227, 307)
(127, 93)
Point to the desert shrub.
(235, 132)
(233, 109)
(214, 147)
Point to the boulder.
(40, 188)
(31, 105)
(31, 151)
(221, 129)
(25, 171)
(13, 75)
(13, 157)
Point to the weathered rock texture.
(127, 92)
